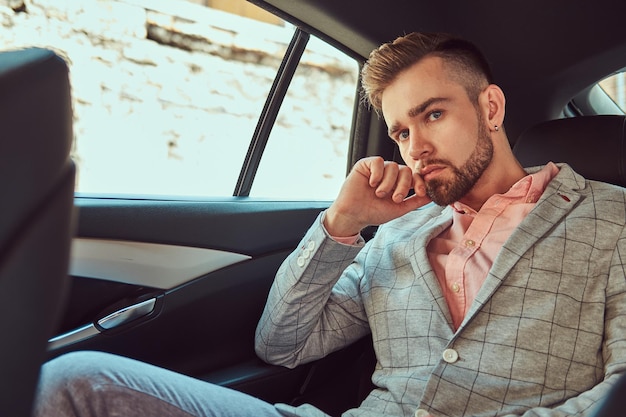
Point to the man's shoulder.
(568, 177)
(606, 187)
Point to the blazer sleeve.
(314, 306)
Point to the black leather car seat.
(36, 204)
(595, 146)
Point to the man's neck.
(492, 182)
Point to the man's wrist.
(339, 227)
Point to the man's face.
(433, 121)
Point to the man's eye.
(434, 115)
(403, 135)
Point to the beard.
(446, 191)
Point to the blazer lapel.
(559, 198)
(421, 264)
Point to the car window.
(306, 154)
(604, 97)
(615, 87)
(168, 94)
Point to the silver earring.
(496, 127)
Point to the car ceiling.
(542, 52)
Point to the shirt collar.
(527, 190)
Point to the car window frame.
(361, 113)
(268, 115)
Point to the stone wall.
(179, 87)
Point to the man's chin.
(437, 198)
(441, 194)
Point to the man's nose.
(419, 147)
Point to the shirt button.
(469, 243)
(306, 253)
(421, 413)
(300, 261)
(311, 245)
(455, 287)
(450, 355)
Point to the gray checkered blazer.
(545, 336)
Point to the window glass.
(615, 87)
(167, 93)
(306, 155)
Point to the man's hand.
(374, 193)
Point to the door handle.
(127, 314)
(110, 321)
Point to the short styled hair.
(464, 61)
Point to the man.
(506, 296)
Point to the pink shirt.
(462, 255)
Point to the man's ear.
(492, 100)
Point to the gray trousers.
(95, 384)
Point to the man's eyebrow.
(416, 111)
(393, 129)
(421, 108)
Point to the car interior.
(566, 140)
(181, 283)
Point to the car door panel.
(146, 264)
(198, 321)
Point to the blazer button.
(450, 355)
(421, 413)
(301, 261)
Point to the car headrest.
(595, 146)
(36, 138)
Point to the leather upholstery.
(36, 204)
(595, 146)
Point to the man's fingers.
(374, 193)
(418, 185)
(403, 185)
(389, 179)
(372, 168)
(376, 167)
